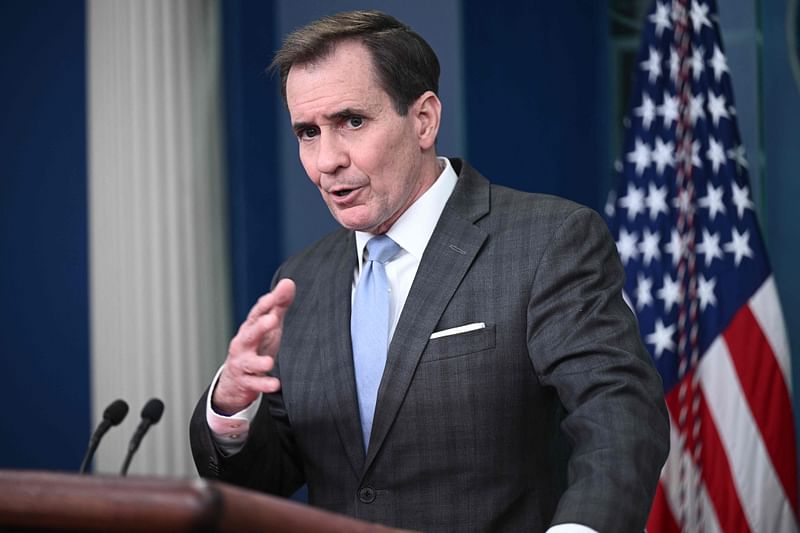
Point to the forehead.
(342, 79)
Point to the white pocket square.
(460, 329)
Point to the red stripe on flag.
(767, 394)
(717, 476)
(661, 519)
(716, 473)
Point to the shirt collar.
(414, 228)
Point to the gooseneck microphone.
(151, 414)
(112, 416)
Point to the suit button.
(366, 495)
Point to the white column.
(160, 297)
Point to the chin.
(355, 223)
(360, 227)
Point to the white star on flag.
(699, 15)
(739, 245)
(647, 111)
(633, 201)
(643, 295)
(656, 200)
(626, 246)
(653, 65)
(669, 109)
(717, 107)
(698, 63)
(718, 63)
(661, 18)
(663, 154)
(713, 201)
(737, 154)
(682, 202)
(741, 198)
(649, 246)
(705, 291)
(640, 156)
(661, 338)
(669, 293)
(715, 154)
(709, 247)
(675, 247)
(696, 111)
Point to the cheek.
(380, 163)
(314, 177)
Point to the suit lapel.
(336, 350)
(450, 252)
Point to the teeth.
(342, 193)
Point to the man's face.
(365, 158)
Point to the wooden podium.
(50, 501)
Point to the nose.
(332, 154)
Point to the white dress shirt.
(411, 232)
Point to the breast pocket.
(459, 345)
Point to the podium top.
(52, 501)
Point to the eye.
(307, 133)
(355, 122)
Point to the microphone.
(112, 416)
(151, 414)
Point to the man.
(516, 394)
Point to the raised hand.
(252, 352)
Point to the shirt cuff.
(229, 432)
(570, 528)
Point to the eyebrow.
(339, 115)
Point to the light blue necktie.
(369, 327)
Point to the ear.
(427, 111)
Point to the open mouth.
(342, 193)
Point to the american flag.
(701, 286)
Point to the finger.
(251, 333)
(270, 343)
(254, 333)
(284, 293)
(284, 297)
(261, 307)
(281, 297)
(251, 364)
(262, 332)
(265, 384)
(235, 391)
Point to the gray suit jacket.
(552, 413)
